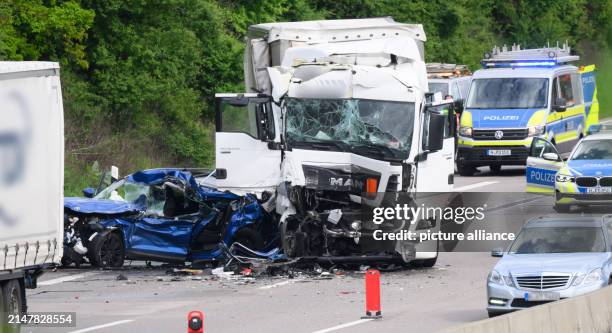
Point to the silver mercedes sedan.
(552, 258)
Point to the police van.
(522, 94)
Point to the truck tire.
(495, 169)
(13, 302)
(107, 250)
(559, 208)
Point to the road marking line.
(64, 279)
(341, 326)
(93, 328)
(270, 286)
(473, 186)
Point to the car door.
(435, 171)
(543, 163)
(164, 231)
(247, 147)
(589, 93)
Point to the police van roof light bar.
(515, 57)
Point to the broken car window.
(351, 124)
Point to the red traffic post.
(195, 322)
(372, 284)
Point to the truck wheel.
(11, 302)
(107, 250)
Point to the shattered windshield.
(123, 190)
(508, 93)
(367, 127)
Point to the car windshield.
(123, 190)
(508, 93)
(559, 240)
(593, 150)
(357, 125)
(435, 87)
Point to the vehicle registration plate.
(541, 296)
(596, 190)
(499, 152)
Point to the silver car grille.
(542, 282)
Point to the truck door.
(247, 152)
(542, 165)
(436, 169)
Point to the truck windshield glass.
(593, 150)
(438, 87)
(508, 93)
(558, 240)
(367, 127)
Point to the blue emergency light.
(516, 57)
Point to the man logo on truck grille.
(499, 135)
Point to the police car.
(584, 179)
(522, 94)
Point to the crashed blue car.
(162, 215)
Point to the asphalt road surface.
(413, 300)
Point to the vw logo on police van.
(499, 135)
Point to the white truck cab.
(519, 95)
(335, 109)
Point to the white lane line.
(341, 326)
(473, 186)
(270, 286)
(94, 328)
(64, 279)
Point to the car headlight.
(496, 278)
(561, 178)
(509, 281)
(535, 130)
(593, 277)
(465, 131)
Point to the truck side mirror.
(89, 192)
(560, 105)
(435, 140)
(266, 122)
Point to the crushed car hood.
(101, 206)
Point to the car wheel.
(495, 169)
(249, 238)
(12, 299)
(493, 314)
(425, 263)
(107, 250)
(561, 208)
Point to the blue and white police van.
(522, 94)
(585, 179)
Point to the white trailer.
(31, 177)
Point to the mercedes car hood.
(551, 262)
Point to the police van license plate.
(599, 190)
(541, 296)
(499, 152)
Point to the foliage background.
(139, 76)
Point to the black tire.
(495, 169)
(13, 302)
(465, 170)
(426, 263)
(493, 314)
(564, 209)
(249, 238)
(107, 250)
